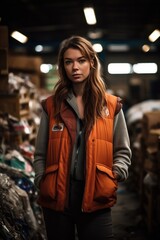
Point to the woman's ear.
(92, 64)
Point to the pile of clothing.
(21, 217)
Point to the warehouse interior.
(28, 73)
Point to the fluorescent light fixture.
(90, 15)
(118, 47)
(145, 68)
(97, 47)
(154, 35)
(119, 68)
(19, 37)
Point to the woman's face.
(76, 65)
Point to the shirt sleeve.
(121, 147)
(41, 148)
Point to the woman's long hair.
(94, 92)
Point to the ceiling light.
(90, 15)
(98, 47)
(45, 68)
(95, 34)
(119, 68)
(118, 47)
(145, 48)
(19, 37)
(154, 35)
(39, 48)
(145, 68)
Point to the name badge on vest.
(106, 112)
(58, 127)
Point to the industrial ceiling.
(48, 22)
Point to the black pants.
(72, 222)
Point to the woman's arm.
(41, 148)
(121, 148)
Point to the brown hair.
(94, 92)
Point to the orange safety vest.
(100, 184)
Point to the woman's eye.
(82, 60)
(67, 62)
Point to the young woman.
(82, 148)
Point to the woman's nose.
(75, 65)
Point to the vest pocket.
(105, 184)
(48, 182)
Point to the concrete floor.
(127, 220)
